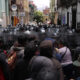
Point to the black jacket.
(21, 70)
(41, 68)
(5, 69)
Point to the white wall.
(70, 16)
(78, 13)
(63, 12)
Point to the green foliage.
(31, 6)
(38, 16)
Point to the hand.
(16, 44)
(57, 50)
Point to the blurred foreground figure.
(66, 60)
(21, 71)
(47, 50)
(76, 64)
(4, 70)
(42, 68)
(19, 46)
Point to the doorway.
(73, 18)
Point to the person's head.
(32, 38)
(30, 50)
(21, 29)
(46, 48)
(42, 68)
(1, 42)
(22, 40)
(61, 43)
(51, 39)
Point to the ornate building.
(21, 15)
(23, 10)
(67, 10)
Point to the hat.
(46, 43)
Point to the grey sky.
(41, 4)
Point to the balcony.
(65, 3)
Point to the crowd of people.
(30, 58)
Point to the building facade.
(21, 15)
(4, 12)
(69, 13)
(46, 13)
(32, 9)
(78, 15)
(53, 11)
(23, 11)
(65, 13)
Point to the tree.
(38, 16)
(31, 6)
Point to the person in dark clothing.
(42, 68)
(19, 46)
(1, 44)
(48, 74)
(46, 49)
(21, 70)
(4, 70)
